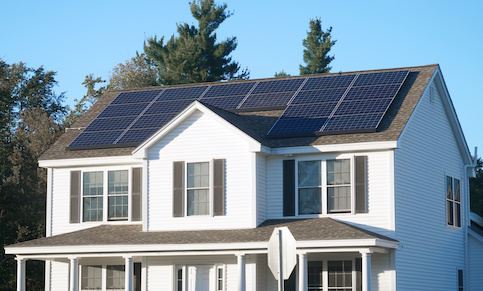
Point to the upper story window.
(106, 195)
(325, 186)
(199, 188)
(453, 201)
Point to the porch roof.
(303, 230)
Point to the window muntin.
(309, 187)
(340, 275)
(453, 201)
(220, 278)
(93, 189)
(331, 179)
(338, 186)
(118, 194)
(91, 278)
(198, 188)
(315, 275)
(115, 278)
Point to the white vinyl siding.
(427, 153)
(201, 138)
(379, 216)
(475, 266)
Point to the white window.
(105, 195)
(198, 188)
(324, 185)
(93, 278)
(180, 279)
(118, 194)
(333, 275)
(220, 278)
(453, 201)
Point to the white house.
(181, 188)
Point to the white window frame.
(105, 195)
(210, 189)
(454, 202)
(104, 277)
(324, 186)
(217, 278)
(183, 277)
(325, 273)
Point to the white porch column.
(20, 273)
(241, 272)
(74, 274)
(128, 270)
(366, 270)
(303, 272)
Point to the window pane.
(309, 174)
(458, 214)
(115, 277)
(310, 201)
(179, 281)
(93, 184)
(449, 212)
(118, 193)
(91, 278)
(457, 190)
(340, 274)
(338, 172)
(449, 187)
(338, 199)
(314, 272)
(198, 202)
(198, 175)
(93, 208)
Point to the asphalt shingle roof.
(258, 123)
(302, 230)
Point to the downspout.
(467, 217)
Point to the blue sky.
(77, 38)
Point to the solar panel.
(394, 77)
(277, 99)
(313, 105)
(114, 123)
(318, 96)
(278, 86)
(229, 90)
(328, 82)
(182, 93)
(226, 102)
(136, 97)
(86, 140)
(123, 110)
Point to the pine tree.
(317, 46)
(194, 55)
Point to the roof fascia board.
(347, 147)
(97, 161)
(161, 248)
(453, 117)
(141, 150)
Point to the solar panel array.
(313, 105)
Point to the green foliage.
(476, 190)
(282, 73)
(194, 55)
(30, 114)
(82, 105)
(317, 47)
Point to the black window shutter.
(137, 194)
(219, 187)
(178, 189)
(361, 183)
(288, 187)
(75, 196)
